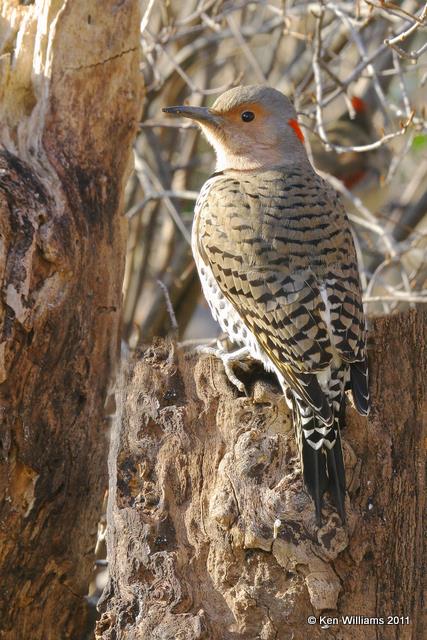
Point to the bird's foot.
(229, 360)
(212, 348)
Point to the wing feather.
(270, 261)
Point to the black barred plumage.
(302, 311)
(278, 268)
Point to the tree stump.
(70, 101)
(199, 474)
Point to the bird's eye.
(248, 116)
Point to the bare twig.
(318, 79)
(404, 92)
(147, 14)
(169, 306)
(181, 195)
(167, 124)
(420, 298)
(168, 202)
(253, 62)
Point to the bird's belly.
(228, 318)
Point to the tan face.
(249, 127)
(253, 123)
(240, 127)
(239, 115)
(252, 135)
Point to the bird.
(277, 264)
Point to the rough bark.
(199, 474)
(69, 106)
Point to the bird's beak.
(199, 114)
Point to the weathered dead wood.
(198, 476)
(69, 107)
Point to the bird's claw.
(214, 348)
(228, 360)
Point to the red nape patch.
(358, 104)
(295, 126)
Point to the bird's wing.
(266, 264)
(345, 310)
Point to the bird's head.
(250, 128)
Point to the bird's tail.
(321, 457)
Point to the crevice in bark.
(102, 62)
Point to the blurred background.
(357, 72)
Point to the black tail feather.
(315, 476)
(323, 468)
(359, 386)
(336, 473)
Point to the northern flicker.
(276, 260)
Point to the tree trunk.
(69, 107)
(199, 474)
